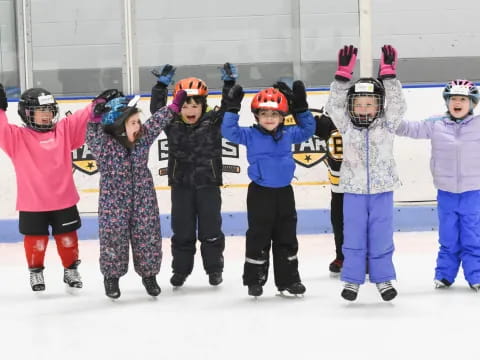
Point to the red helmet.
(192, 86)
(270, 99)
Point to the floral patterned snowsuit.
(128, 208)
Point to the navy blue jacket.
(270, 159)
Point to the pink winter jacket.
(43, 161)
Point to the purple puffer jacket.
(455, 161)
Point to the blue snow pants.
(459, 235)
(368, 237)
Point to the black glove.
(285, 90)
(233, 101)
(3, 99)
(299, 98)
(101, 100)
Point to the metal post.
(130, 73)
(365, 32)
(296, 40)
(23, 12)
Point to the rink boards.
(415, 206)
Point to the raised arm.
(160, 89)
(229, 77)
(8, 132)
(347, 57)
(162, 117)
(395, 102)
(299, 108)
(230, 128)
(96, 137)
(336, 105)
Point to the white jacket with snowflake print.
(368, 164)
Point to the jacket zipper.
(213, 169)
(174, 168)
(368, 166)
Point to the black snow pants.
(272, 222)
(192, 207)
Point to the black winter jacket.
(194, 151)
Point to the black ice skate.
(71, 276)
(177, 279)
(442, 284)
(36, 279)
(295, 289)
(335, 267)
(255, 290)
(387, 291)
(111, 288)
(215, 278)
(151, 285)
(350, 291)
(475, 287)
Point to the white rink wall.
(311, 184)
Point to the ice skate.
(37, 281)
(350, 291)
(151, 285)
(475, 287)
(442, 284)
(297, 289)
(335, 267)
(177, 279)
(71, 276)
(111, 288)
(255, 290)
(215, 278)
(387, 291)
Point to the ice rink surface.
(202, 322)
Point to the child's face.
(43, 116)
(458, 106)
(191, 111)
(133, 126)
(269, 119)
(365, 106)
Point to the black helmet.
(37, 99)
(365, 87)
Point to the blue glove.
(116, 107)
(165, 75)
(229, 72)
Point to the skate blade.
(40, 294)
(287, 295)
(72, 290)
(334, 275)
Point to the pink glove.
(346, 63)
(178, 100)
(388, 63)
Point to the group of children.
(359, 125)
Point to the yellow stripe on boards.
(162, 188)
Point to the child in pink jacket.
(46, 193)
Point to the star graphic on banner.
(90, 165)
(308, 158)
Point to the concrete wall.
(77, 45)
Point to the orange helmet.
(192, 86)
(270, 99)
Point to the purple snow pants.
(368, 232)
